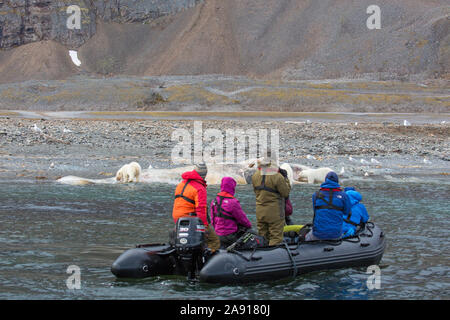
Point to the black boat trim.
(313, 262)
(286, 260)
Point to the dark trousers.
(231, 238)
(228, 240)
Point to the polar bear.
(290, 172)
(121, 173)
(242, 172)
(256, 162)
(297, 173)
(313, 176)
(129, 173)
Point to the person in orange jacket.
(191, 200)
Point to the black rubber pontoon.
(252, 265)
(284, 261)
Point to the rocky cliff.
(25, 21)
(287, 39)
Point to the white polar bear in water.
(309, 175)
(298, 173)
(314, 175)
(290, 172)
(129, 173)
(241, 172)
(216, 171)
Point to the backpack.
(249, 240)
(288, 208)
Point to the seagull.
(150, 166)
(425, 160)
(52, 165)
(406, 123)
(366, 174)
(351, 159)
(308, 121)
(310, 157)
(36, 128)
(66, 130)
(374, 161)
(364, 161)
(342, 171)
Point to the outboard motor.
(189, 243)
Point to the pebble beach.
(51, 148)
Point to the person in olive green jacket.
(271, 189)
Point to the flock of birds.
(406, 123)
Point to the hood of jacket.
(354, 196)
(193, 175)
(330, 184)
(332, 176)
(228, 185)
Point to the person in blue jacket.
(358, 213)
(330, 205)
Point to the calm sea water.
(45, 227)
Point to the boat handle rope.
(250, 258)
(330, 242)
(166, 252)
(355, 239)
(292, 259)
(369, 226)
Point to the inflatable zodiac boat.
(241, 263)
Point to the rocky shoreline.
(48, 149)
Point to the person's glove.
(349, 233)
(283, 172)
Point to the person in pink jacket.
(227, 217)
